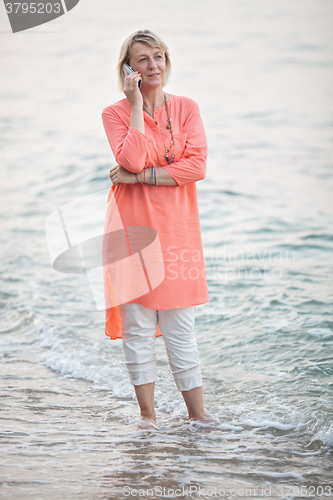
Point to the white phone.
(127, 69)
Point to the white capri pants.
(178, 331)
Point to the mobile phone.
(127, 70)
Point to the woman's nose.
(152, 63)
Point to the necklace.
(169, 126)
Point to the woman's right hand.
(131, 89)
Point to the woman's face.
(149, 62)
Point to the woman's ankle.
(148, 415)
(194, 402)
(198, 415)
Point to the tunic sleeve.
(192, 166)
(129, 145)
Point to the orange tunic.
(162, 221)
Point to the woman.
(159, 143)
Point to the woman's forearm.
(137, 120)
(162, 175)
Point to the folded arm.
(130, 147)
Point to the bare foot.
(207, 419)
(147, 423)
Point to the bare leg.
(194, 402)
(145, 397)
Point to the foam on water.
(77, 356)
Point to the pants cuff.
(143, 373)
(189, 379)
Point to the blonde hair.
(144, 36)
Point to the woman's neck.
(153, 99)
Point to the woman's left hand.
(120, 175)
